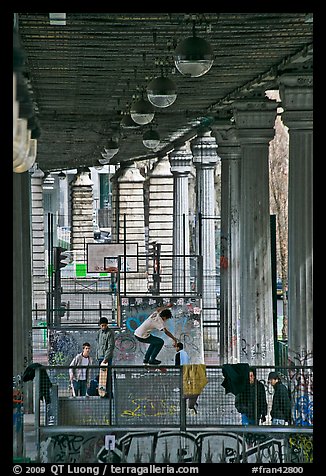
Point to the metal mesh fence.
(141, 396)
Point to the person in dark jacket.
(105, 342)
(105, 346)
(281, 406)
(251, 403)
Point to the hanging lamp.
(194, 56)
(151, 139)
(161, 91)
(127, 123)
(142, 111)
(109, 152)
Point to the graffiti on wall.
(185, 325)
(176, 447)
(65, 343)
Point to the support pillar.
(204, 148)
(131, 206)
(230, 153)
(22, 301)
(82, 230)
(296, 93)
(255, 119)
(160, 223)
(180, 161)
(38, 245)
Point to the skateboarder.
(143, 333)
(105, 345)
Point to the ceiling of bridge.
(85, 74)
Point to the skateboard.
(72, 389)
(102, 380)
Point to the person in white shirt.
(79, 376)
(181, 357)
(143, 333)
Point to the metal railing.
(148, 396)
(146, 404)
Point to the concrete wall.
(174, 447)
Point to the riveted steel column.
(296, 91)
(255, 119)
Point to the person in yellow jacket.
(194, 380)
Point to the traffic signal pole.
(61, 259)
(57, 286)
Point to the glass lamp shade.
(151, 139)
(142, 112)
(111, 151)
(127, 123)
(193, 57)
(105, 158)
(161, 92)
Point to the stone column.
(131, 206)
(230, 153)
(296, 91)
(180, 161)
(160, 224)
(255, 119)
(204, 148)
(82, 231)
(38, 244)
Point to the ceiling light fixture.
(127, 123)
(151, 139)
(142, 111)
(111, 150)
(161, 91)
(194, 56)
